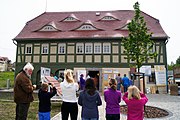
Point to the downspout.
(167, 86)
(15, 43)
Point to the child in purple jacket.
(112, 98)
(135, 101)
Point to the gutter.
(14, 42)
(167, 40)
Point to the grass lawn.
(3, 79)
(7, 110)
(7, 105)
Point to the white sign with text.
(160, 74)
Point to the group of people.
(82, 81)
(23, 95)
(123, 83)
(89, 98)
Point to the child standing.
(135, 101)
(89, 99)
(69, 87)
(44, 101)
(112, 97)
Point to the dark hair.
(112, 84)
(90, 86)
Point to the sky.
(15, 13)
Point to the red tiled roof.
(4, 58)
(105, 29)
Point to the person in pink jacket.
(135, 101)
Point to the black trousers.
(69, 108)
(22, 111)
(112, 116)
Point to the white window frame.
(45, 49)
(61, 48)
(106, 48)
(108, 18)
(97, 48)
(48, 28)
(152, 50)
(79, 46)
(28, 46)
(69, 19)
(88, 48)
(87, 27)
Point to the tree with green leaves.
(178, 61)
(138, 46)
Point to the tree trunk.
(139, 85)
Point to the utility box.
(174, 89)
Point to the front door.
(95, 74)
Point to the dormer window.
(71, 18)
(125, 27)
(48, 28)
(108, 18)
(87, 27)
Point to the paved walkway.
(164, 101)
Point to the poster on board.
(146, 70)
(53, 81)
(45, 72)
(160, 74)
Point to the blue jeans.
(44, 115)
(125, 88)
(90, 119)
(119, 86)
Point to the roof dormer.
(88, 25)
(71, 18)
(49, 27)
(108, 17)
(125, 27)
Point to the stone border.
(170, 114)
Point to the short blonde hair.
(133, 92)
(68, 75)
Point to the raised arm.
(125, 96)
(144, 98)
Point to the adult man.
(126, 83)
(119, 81)
(23, 90)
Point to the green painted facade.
(22, 58)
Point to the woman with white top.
(69, 88)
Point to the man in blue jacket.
(126, 83)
